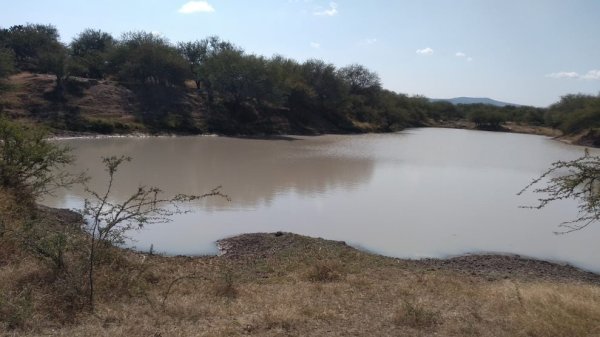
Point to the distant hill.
(472, 100)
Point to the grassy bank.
(286, 284)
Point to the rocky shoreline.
(488, 266)
(255, 246)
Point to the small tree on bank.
(577, 179)
(109, 222)
(30, 166)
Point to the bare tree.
(577, 179)
(110, 221)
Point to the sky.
(519, 51)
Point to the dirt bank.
(488, 266)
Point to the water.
(420, 193)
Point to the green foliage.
(196, 53)
(359, 79)
(574, 113)
(7, 62)
(147, 59)
(29, 164)
(56, 62)
(245, 93)
(90, 52)
(29, 42)
(485, 116)
(445, 111)
(237, 78)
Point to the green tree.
(7, 62)
(90, 50)
(31, 166)
(486, 116)
(56, 61)
(360, 79)
(148, 59)
(201, 56)
(29, 42)
(195, 53)
(329, 89)
(238, 78)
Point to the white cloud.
(464, 56)
(196, 7)
(331, 11)
(425, 51)
(564, 74)
(315, 45)
(592, 75)
(371, 41)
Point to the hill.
(473, 100)
(109, 107)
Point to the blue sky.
(527, 51)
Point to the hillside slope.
(473, 100)
(107, 107)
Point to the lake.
(419, 193)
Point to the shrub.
(416, 316)
(324, 271)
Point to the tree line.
(239, 86)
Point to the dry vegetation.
(286, 284)
(99, 102)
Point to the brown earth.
(486, 266)
(107, 107)
(283, 284)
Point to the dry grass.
(325, 271)
(291, 291)
(416, 316)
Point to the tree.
(28, 42)
(199, 53)
(90, 51)
(195, 53)
(486, 116)
(238, 78)
(109, 221)
(328, 87)
(360, 79)
(56, 61)
(7, 62)
(577, 179)
(30, 166)
(148, 59)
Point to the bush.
(324, 271)
(416, 316)
(30, 166)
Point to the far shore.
(510, 127)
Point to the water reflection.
(419, 193)
(251, 172)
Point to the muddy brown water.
(419, 193)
